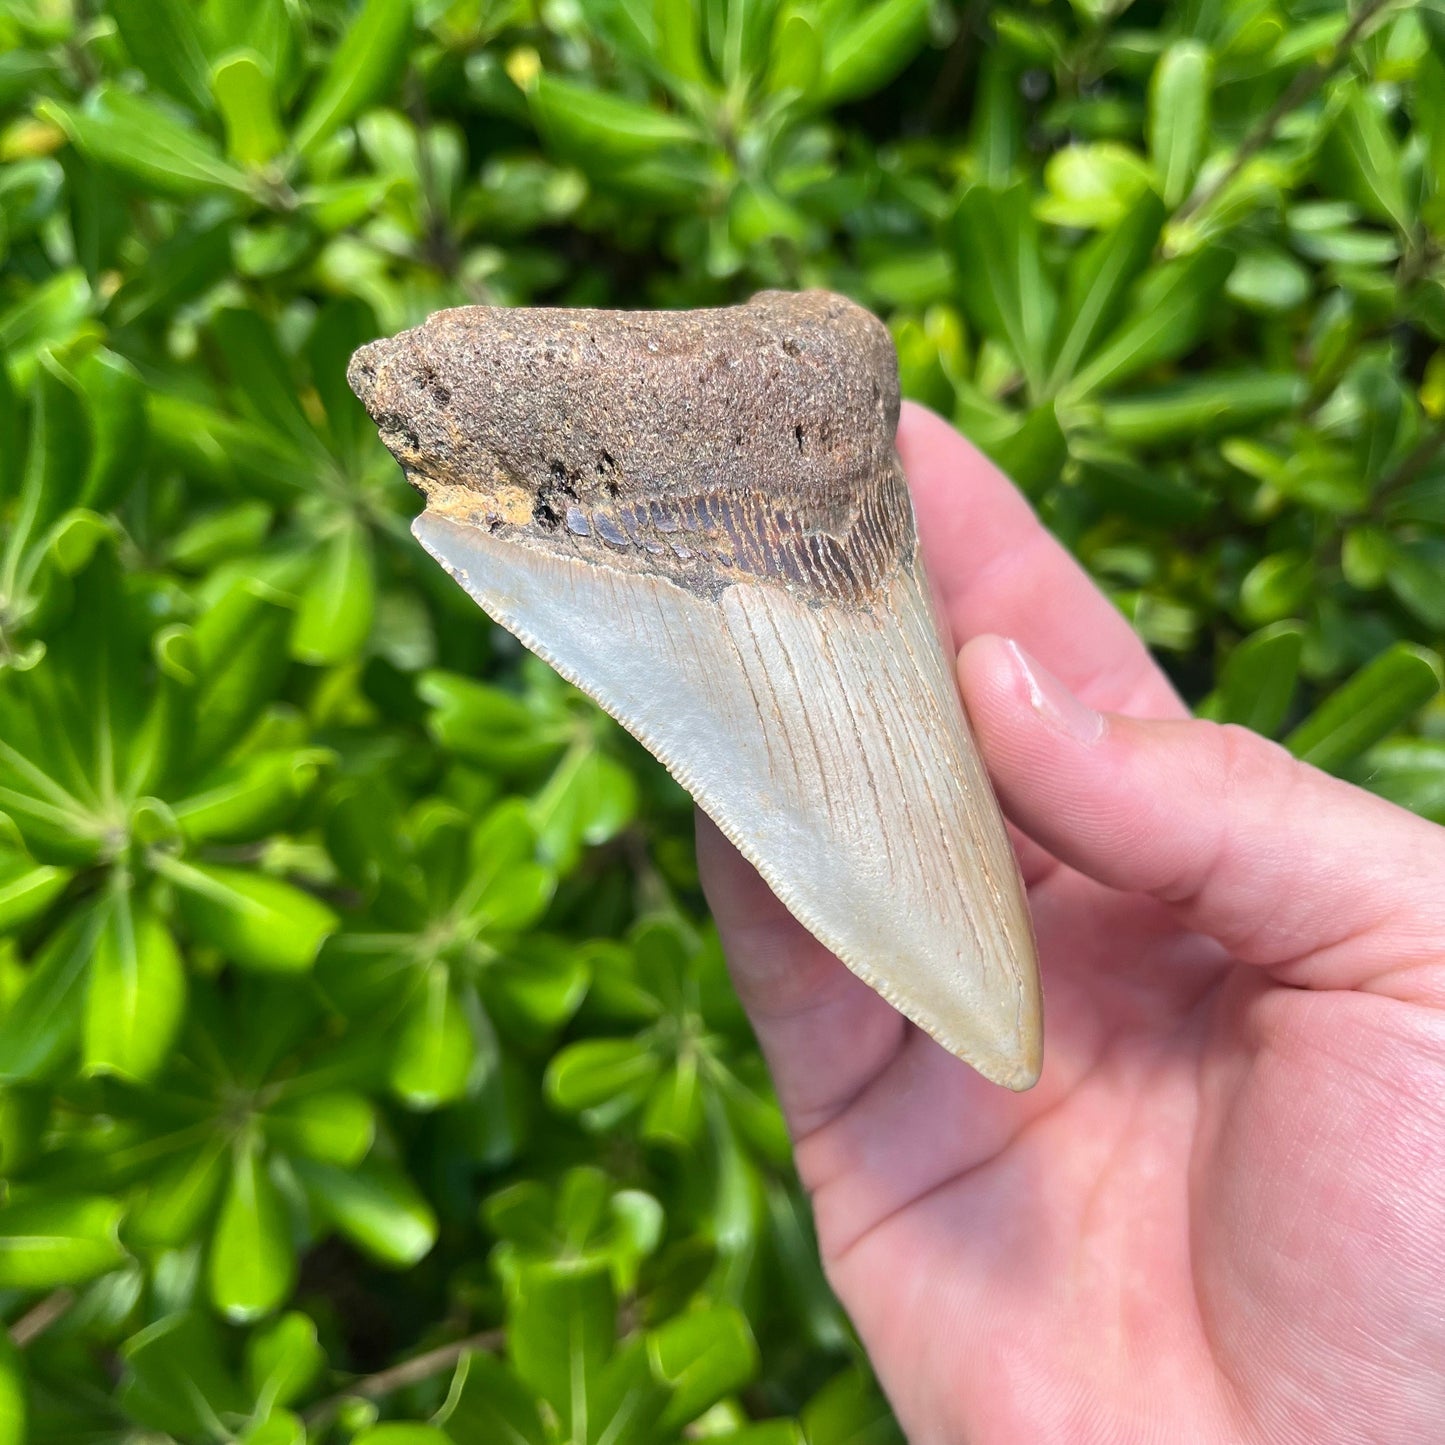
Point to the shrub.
(366, 1056)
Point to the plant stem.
(409, 1372)
(36, 1320)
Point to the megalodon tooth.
(699, 518)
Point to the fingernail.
(1054, 703)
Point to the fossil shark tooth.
(699, 519)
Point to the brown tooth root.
(699, 519)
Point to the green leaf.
(283, 1360)
(1258, 680)
(797, 54)
(361, 70)
(26, 890)
(178, 1195)
(252, 1264)
(1380, 697)
(600, 129)
(247, 101)
(15, 1395)
(1013, 298)
(254, 921)
(249, 798)
(376, 1208)
(146, 143)
(164, 40)
(493, 1407)
(435, 1051)
(598, 1071)
(1202, 406)
(702, 1356)
(401, 1432)
(1093, 185)
(40, 1027)
(848, 1410)
(116, 402)
(871, 48)
(587, 801)
(1099, 280)
(1407, 771)
(335, 1126)
(137, 993)
(1179, 98)
(334, 619)
(176, 1379)
(561, 1330)
(1277, 586)
(1360, 158)
(1172, 306)
(58, 1239)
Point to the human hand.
(1220, 1216)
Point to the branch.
(35, 1321)
(409, 1372)
(1299, 90)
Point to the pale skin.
(1220, 1215)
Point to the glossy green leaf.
(147, 144)
(1362, 157)
(586, 802)
(561, 1331)
(435, 1051)
(848, 1410)
(283, 1359)
(1170, 311)
(359, 71)
(27, 889)
(334, 1126)
(246, 98)
(339, 601)
(252, 1263)
(402, 1432)
(1179, 102)
(702, 1356)
(1201, 406)
(1099, 280)
(58, 1239)
(1093, 185)
(598, 128)
(870, 48)
(597, 1071)
(1259, 678)
(256, 922)
(14, 1395)
(374, 1206)
(176, 1378)
(494, 1407)
(997, 241)
(164, 40)
(137, 991)
(1367, 708)
(41, 1026)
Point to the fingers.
(997, 569)
(824, 1032)
(1287, 867)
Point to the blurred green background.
(369, 1069)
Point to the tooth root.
(828, 743)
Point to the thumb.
(1324, 883)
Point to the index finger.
(996, 568)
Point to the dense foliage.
(369, 1070)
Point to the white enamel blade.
(828, 743)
